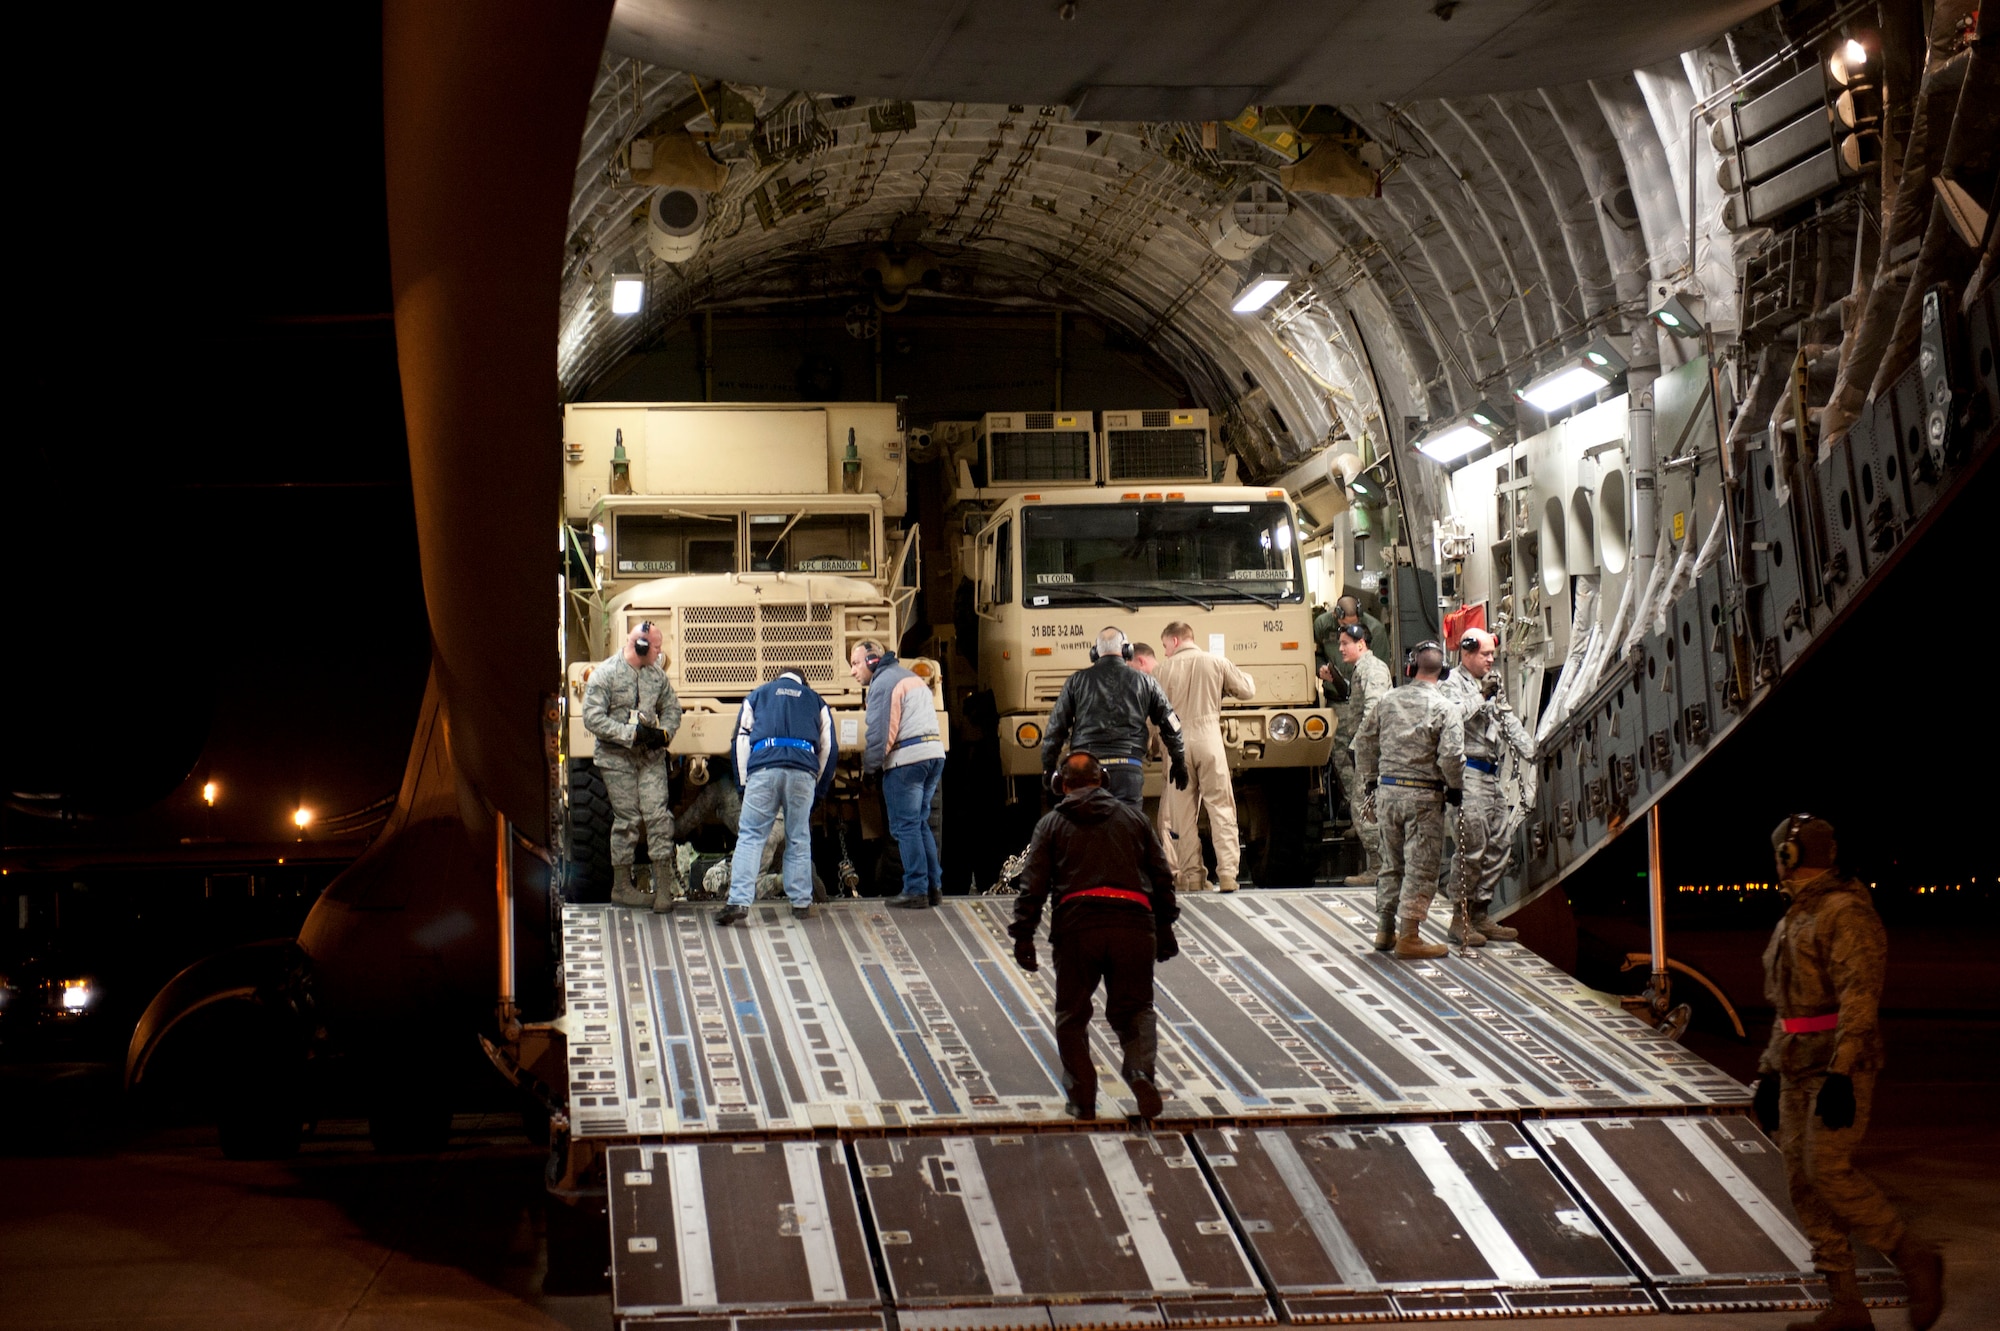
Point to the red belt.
(1117, 893)
(1802, 1025)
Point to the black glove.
(1835, 1105)
(1166, 947)
(1454, 796)
(1178, 774)
(1024, 957)
(1368, 787)
(1764, 1102)
(1489, 686)
(647, 738)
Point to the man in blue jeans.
(905, 752)
(785, 757)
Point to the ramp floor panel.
(1700, 1207)
(1416, 1220)
(1065, 1229)
(767, 1231)
(865, 1018)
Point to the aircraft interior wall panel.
(1879, 459)
(1772, 561)
(1415, 1221)
(1848, 555)
(1711, 631)
(1982, 360)
(865, 1019)
(1699, 1206)
(1658, 697)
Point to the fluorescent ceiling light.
(628, 293)
(1596, 366)
(1453, 442)
(1260, 291)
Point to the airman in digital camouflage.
(1491, 731)
(1368, 682)
(1823, 973)
(630, 706)
(1412, 746)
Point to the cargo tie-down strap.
(1826, 1021)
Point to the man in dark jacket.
(785, 757)
(1103, 711)
(1114, 916)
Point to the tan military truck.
(756, 537)
(1066, 529)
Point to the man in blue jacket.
(785, 757)
(905, 753)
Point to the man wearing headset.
(1103, 711)
(1823, 973)
(1491, 729)
(1347, 610)
(905, 752)
(630, 707)
(1412, 746)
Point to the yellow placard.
(1680, 526)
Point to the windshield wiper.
(1143, 585)
(1079, 587)
(1233, 585)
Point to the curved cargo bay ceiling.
(1512, 224)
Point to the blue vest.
(784, 724)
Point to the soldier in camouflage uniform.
(632, 710)
(1823, 973)
(1491, 729)
(1413, 746)
(1368, 683)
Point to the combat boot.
(1464, 934)
(1922, 1270)
(1410, 945)
(1846, 1313)
(1225, 882)
(667, 892)
(1360, 880)
(624, 892)
(1385, 931)
(1492, 928)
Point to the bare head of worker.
(1080, 772)
(1144, 657)
(1353, 642)
(1176, 636)
(1112, 642)
(1347, 610)
(861, 662)
(1476, 651)
(643, 647)
(1426, 661)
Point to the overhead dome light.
(1671, 311)
(1598, 365)
(1259, 291)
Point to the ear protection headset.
(642, 644)
(1470, 642)
(1410, 657)
(1789, 850)
(1124, 647)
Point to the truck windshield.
(1220, 552)
(811, 543)
(653, 544)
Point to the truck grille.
(746, 645)
(1158, 454)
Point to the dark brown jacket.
(1094, 839)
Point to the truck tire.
(589, 841)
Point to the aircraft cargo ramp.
(856, 1121)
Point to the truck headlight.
(1028, 734)
(77, 995)
(1284, 726)
(1315, 727)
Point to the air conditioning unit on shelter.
(1037, 447)
(1157, 445)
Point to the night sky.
(222, 578)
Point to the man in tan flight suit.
(1823, 973)
(1196, 682)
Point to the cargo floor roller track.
(796, 1113)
